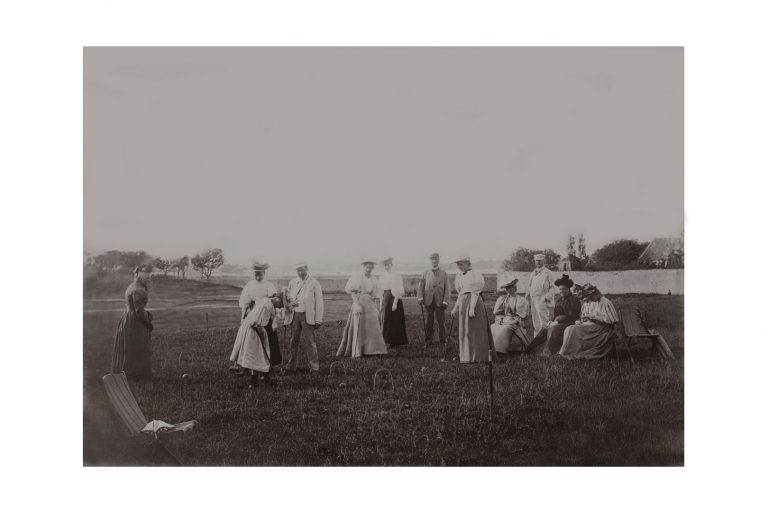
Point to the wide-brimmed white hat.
(538, 257)
(363, 261)
(259, 266)
(300, 264)
(462, 257)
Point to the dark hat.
(258, 266)
(565, 281)
(143, 268)
(508, 282)
(578, 291)
(277, 301)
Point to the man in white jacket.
(304, 310)
(540, 289)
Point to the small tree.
(208, 261)
(180, 266)
(522, 259)
(571, 247)
(162, 264)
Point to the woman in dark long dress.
(131, 350)
(567, 312)
(393, 323)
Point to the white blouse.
(602, 310)
(358, 283)
(472, 281)
(254, 290)
(392, 281)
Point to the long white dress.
(362, 333)
(250, 350)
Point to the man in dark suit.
(433, 292)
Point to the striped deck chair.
(154, 432)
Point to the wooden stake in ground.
(491, 354)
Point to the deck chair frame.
(127, 409)
(634, 328)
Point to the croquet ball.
(342, 385)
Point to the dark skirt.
(393, 325)
(275, 357)
(130, 351)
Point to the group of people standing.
(582, 325)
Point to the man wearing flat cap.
(540, 289)
(305, 311)
(433, 293)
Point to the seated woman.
(567, 312)
(590, 337)
(507, 330)
(252, 351)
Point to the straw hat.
(509, 281)
(258, 266)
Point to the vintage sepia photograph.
(383, 256)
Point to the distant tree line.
(616, 255)
(125, 261)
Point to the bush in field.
(617, 255)
(207, 261)
(121, 261)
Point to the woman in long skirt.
(256, 289)
(251, 350)
(362, 332)
(131, 349)
(393, 324)
(591, 337)
(567, 312)
(510, 311)
(475, 341)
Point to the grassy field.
(547, 411)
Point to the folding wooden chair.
(127, 409)
(634, 327)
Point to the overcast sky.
(329, 154)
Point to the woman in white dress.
(362, 332)
(251, 351)
(475, 341)
(510, 311)
(254, 290)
